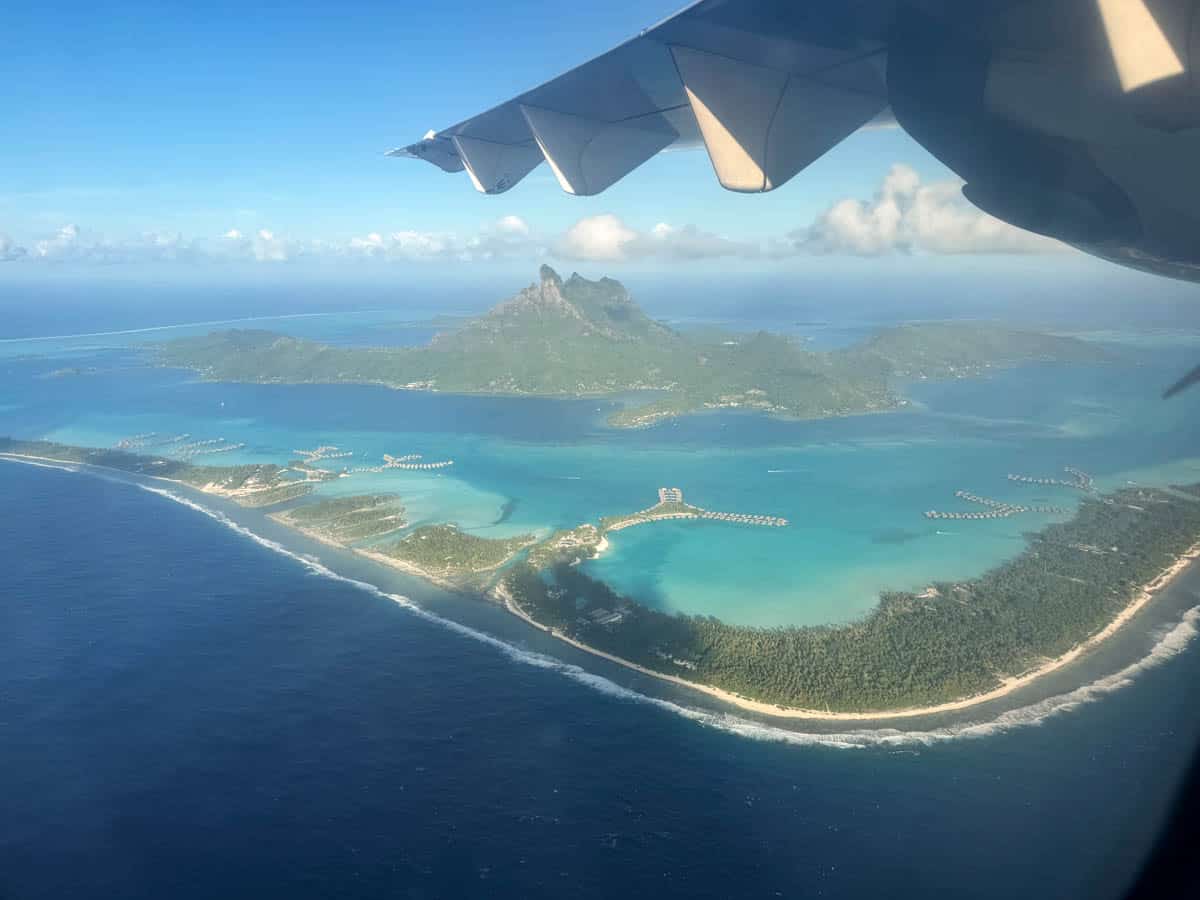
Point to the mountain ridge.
(578, 337)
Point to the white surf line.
(62, 467)
(90, 334)
(1170, 643)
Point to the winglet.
(432, 148)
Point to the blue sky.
(134, 127)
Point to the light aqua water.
(854, 489)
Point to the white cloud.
(907, 216)
(512, 225)
(74, 244)
(66, 242)
(596, 238)
(606, 238)
(8, 250)
(262, 246)
(666, 241)
(269, 248)
(509, 235)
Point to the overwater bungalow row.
(196, 445)
(225, 449)
(1046, 482)
(994, 514)
(639, 519)
(745, 518)
(983, 501)
(174, 439)
(1079, 480)
(135, 441)
(325, 451)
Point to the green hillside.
(577, 337)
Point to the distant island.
(576, 338)
(946, 647)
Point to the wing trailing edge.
(764, 91)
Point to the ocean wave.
(1169, 643)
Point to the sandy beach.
(1007, 685)
(406, 567)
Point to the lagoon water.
(854, 489)
(189, 712)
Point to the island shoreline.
(499, 593)
(1007, 686)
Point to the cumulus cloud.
(606, 238)
(262, 246)
(688, 242)
(597, 239)
(908, 216)
(70, 243)
(512, 225)
(65, 242)
(905, 216)
(507, 236)
(8, 250)
(400, 245)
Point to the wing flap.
(761, 125)
(766, 89)
(494, 168)
(589, 155)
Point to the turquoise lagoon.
(854, 489)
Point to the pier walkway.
(1078, 479)
(997, 509)
(409, 462)
(671, 505)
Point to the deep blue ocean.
(187, 713)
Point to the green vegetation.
(579, 337)
(915, 649)
(261, 484)
(568, 546)
(967, 349)
(345, 520)
(273, 496)
(446, 551)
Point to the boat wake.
(152, 328)
(1169, 644)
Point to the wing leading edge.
(765, 87)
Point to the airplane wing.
(1075, 119)
(767, 86)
